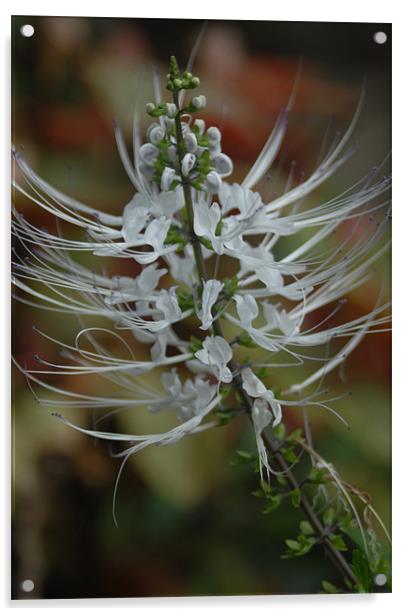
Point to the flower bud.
(213, 182)
(169, 124)
(171, 110)
(188, 162)
(177, 83)
(199, 101)
(200, 125)
(156, 135)
(172, 154)
(149, 107)
(214, 135)
(195, 81)
(150, 128)
(222, 164)
(147, 170)
(167, 178)
(148, 153)
(185, 128)
(190, 142)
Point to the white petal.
(135, 215)
(156, 232)
(168, 304)
(148, 279)
(206, 219)
(211, 290)
(247, 309)
(252, 384)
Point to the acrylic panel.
(201, 321)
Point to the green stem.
(271, 444)
(336, 556)
(197, 248)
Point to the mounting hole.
(380, 37)
(27, 585)
(27, 30)
(380, 579)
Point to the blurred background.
(188, 524)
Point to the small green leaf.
(279, 431)
(289, 454)
(225, 416)
(295, 435)
(262, 373)
(273, 502)
(244, 457)
(244, 339)
(195, 344)
(306, 528)
(338, 542)
(317, 475)
(230, 286)
(296, 498)
(330, 588)
(225, 391)
(281, 480)
(293, 545)
(185, 300)
(329, 516)
(362, 570)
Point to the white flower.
(247, 309)
(188, 162)
(205, 223)
(216, 353)
(135, 217)
(256, 389)
(160, 226)
(213, 182)
(167, 303)
(265, 411)
(211, 290)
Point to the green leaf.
(205, 242)
(225, 391)
(306, 528)
(244, 457)
(293, 545)
(230, 286)
(296, 497)
(317, 475)
(338, 542)
(262, 373)
(185, 301)
(330, 588)
(279, 431)
(295, 435)
(245, 340)
(195, 344)
(225, 416)
(281, 480)
(273, 502)
(289, 454)
(329, 516)
(362, 570)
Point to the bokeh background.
(188, 524)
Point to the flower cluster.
(183, 217)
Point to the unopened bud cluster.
(197, 158)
